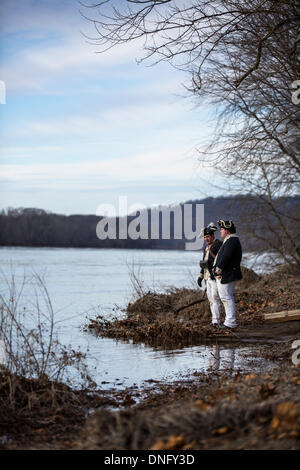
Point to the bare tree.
(242, 56)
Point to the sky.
(80, 128)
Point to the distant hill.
(39, 228)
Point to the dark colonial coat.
(214, 248)
(229, 260)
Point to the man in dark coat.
(227, 269)
(209, 254)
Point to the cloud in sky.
(76, 121)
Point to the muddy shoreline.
(217, 410)
(189, 413)
(183, 315)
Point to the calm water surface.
(85, 282)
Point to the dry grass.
(36, 385)
(240, 412)
(160, 318)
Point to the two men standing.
(221, 269)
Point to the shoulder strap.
(212, 254)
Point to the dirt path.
(262, 333)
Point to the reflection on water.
(219, 359)
(85, 282)
(136, 364)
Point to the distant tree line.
(240, 58)
(39, 228)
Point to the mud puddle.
(185, 366)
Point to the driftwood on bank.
(195, 302)
(286, 315)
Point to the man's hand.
(218, 273)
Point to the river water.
(85, 282)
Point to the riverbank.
(240, 412)
(182, 316)
(216, 410)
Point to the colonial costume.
(206, 273)
(227, 271)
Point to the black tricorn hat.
(208, 230)
(228, 225)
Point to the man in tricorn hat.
(227, 269)
(210, 252)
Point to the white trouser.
(219, 357)
(214, 300)
(228, 358)
(226, 294)
(214, 358)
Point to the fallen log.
(189, 305)
(285, 315)
(192, 303)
